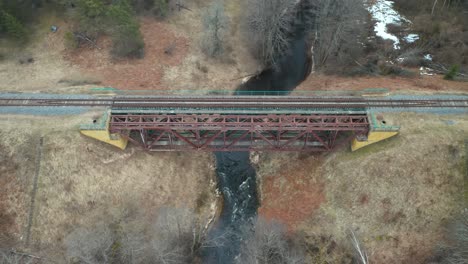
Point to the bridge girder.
(216, 132)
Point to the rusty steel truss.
(217, 132)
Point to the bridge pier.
(380, 130)
(99, 130)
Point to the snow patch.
(426, 71)
(384, 14)
(411, 38)
(428, 57)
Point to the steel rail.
(224, 99)
(237, 102)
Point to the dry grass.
(83, 181)
(424, 84)
(133, 74)
(48, 67)
(18, 144)
(79, 80)
(199, 72)
(397, 194)
(16, 173)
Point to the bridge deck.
(236, 104)
(216, 132)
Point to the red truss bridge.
(263, 123)
(218, 132)
(241, 123)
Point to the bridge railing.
(201, 92)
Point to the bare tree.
(447, 4)
(360, 252)
(215, 25)
(339, 31)
(269, 244)
(176, 237)
(267, 25)
(90, 245)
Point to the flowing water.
(237, 183)
(236, 176)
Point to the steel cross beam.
(216, 132)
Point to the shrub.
(142, 5)
(91, 8)
(115, 19)
(394, 70)
(269, 242)
(161, 8)
(12, 27)
(157, 8)
(91, 16)
(23, 11)
(125, 31)
(452, 73)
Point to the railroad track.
(232, 102)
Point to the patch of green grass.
(452, 73)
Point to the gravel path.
(43, 110)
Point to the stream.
(236, 175)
